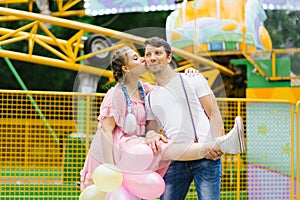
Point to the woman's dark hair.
(158, 42)
(118, 59)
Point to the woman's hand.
(153, 140)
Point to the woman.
(122, 122)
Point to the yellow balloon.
(92, 193)
(107, 177)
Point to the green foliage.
(137, 20)
(283, 25)
(284, 29)
(108, 86)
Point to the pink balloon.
(120, 194)
(136, 159)
(147, 185)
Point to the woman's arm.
(153, 137)
(108, 125)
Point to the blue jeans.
(205, 173)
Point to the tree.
(284, 29)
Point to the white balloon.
(120, 194)
(107, 177)
(92, 193)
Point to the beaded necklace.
(142, 93)
(130, 120)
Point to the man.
(187, 111)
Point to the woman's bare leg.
(185, 152)
(232, 143)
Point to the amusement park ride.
(204, 34)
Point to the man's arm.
(212, 111)
(209, 103)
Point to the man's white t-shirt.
(169, 107)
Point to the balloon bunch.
(128, 182)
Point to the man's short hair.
(158, 42)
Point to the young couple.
(183, 107)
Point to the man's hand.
(153, 140)
(213, 154)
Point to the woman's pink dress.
(114, 105)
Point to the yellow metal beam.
(255, 65)
(201, 60)
(55, 63)
(68, 13)
(49, 40)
